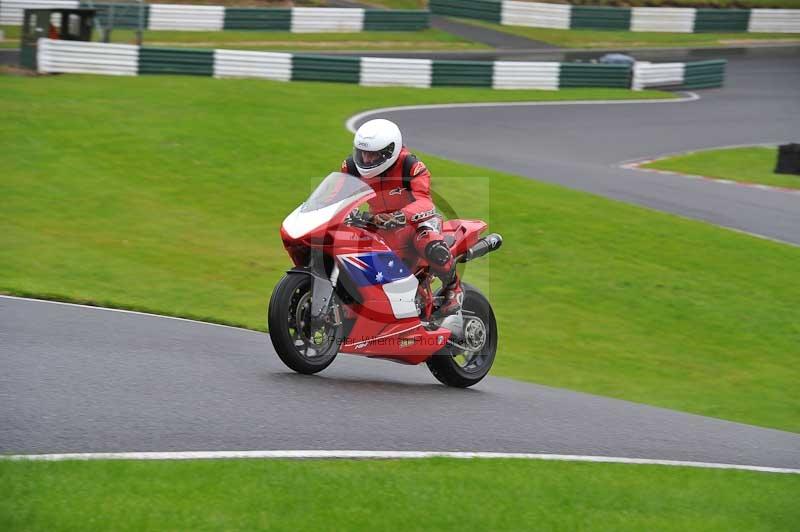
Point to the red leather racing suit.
(405, 187)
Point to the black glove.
(361, 216)
(389, 220)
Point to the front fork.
(322, 297)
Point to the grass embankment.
(430, 39)
(166, 193)
(434, 494)
(631, 39)
(747, 165)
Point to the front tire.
(302, 349)
(462, 368)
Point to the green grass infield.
(165, 194)
(428, 494)
(430, 39)
(746, 165)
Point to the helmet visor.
(371, 159)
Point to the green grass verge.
(430, 39)
(630, 39)
(166, 193)
(431, 494)
(747, 165)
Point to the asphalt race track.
(582, 146)
(78, 379)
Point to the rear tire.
(460, 368)
(288, 321)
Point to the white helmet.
(376, 147)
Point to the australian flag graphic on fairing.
(374, 268)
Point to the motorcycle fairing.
(404, 341)
(386, 270)
(462, 234)
(303, 220)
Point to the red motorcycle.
(349, 292)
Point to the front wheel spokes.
(476, 359)
(309, 343)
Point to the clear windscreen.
(336, 188)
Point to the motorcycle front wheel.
(465, 361)
(302, 347)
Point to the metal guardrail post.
(139, 30)
(110, 23)
(105, 32)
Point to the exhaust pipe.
(485, 245)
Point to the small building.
(69, 24)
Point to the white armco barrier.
(526, 75)
(11, 10)
(535, 15)
(379, 71)
(672, 19)
(774, 21)
(77, 57)
(647, 75)
(327, 19)
(186, 17)
(243, 64)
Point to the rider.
(403, 208)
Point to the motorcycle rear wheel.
(463, 368)
(289, 323)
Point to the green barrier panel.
(257, 19)
(704, 74)
(324, 68)
(594, 75)
(400, 20)
(28, 57)
(600, 18)
(479, 9)
(462, 73)
(720, 20)
(176, 61)
(122, 16)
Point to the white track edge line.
(297, 454)
(350, 123)
(720, 181)
(126, 311)
(654, 158)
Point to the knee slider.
(438, 252)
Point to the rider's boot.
(453, 299)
